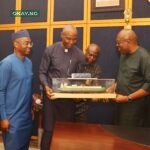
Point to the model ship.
(81, 88)
(82, 84)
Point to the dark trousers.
(46, 140)
(147, 113)
(55, 110)
(95, 112)
(131, 113)
(101, 112)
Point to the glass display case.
(83, 85)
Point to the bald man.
(59, 60)
(133, 82)
(89, 66)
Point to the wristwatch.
(129, 98)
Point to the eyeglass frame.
(26, 43)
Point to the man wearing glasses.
(133, 81)
(15, 93)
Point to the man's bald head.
(69, 28)
(69, 36)
(92, 53)
(126, 41)
(127, 34)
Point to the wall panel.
(65, 10)
(109, 56)
(5, 43)
(39, 43)
(40, 5)
(5, 7)
(141, 9)
(143, 33)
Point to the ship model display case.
(83, 88)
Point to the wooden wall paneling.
(109, 57)
(65, 10)
(5, 43)
(40, 5)
(39, 44)
(5, 8)
(107, 14)
(144, 6)
(143, 33)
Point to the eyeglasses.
(26, 43)
(30, 44)
(121, 42)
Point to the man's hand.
(5, 124)
(121, 98)
(49, 92)
(111, 89)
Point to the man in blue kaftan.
(15, 94)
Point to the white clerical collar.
(66, 50)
